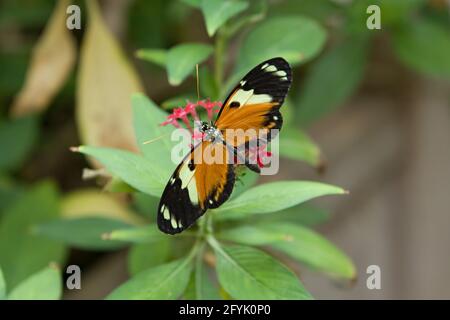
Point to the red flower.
(190, 110)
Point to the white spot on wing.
(271, 68)
(259, 98)
(210, 201)
(281, 73)
(284, 78)
(192, 190)
(173, 222)
(166, 214)
(265, 65)
(248, 97)
(275, 118)
(243, 82)
(185, 174)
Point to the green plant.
(243, 271)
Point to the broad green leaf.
(147, 255)
(82, 233)
(147, 119)
(106, 81)
(298, 242)
(424, 46)
(134, 169)
(275, 38)
(164, 282)
(17, 137)
(325, 87)
(21, 252)
(217, 12)
(85, 203)
(9, 192)
(245, 179)
(200, 286)
(274, 196)
(145, 234)
(43, 285)
(51, 63)
(181, 60)
(304, 214)
(296, 145)
(2, 286)
(248, 273)
(157, 56)
(146, 205)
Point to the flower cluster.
(183, 114)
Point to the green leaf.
(217, 12)
(2, 286)
(164, 282)
(274, 196)
(156, 56)
(296, 145)
(244, 180)
(200, 286)
(43, 285)
(82, 233)
(192, 3)
(304, 214)
(178, 101)
(147, 255)
(275, 38)
(21, 252)
(323, 90)
(424, 46)
(248, 273)
(181, 60)
(298, 242)
(137, 235)
(134, 169)
(147, 119)
(9, 192)
(17, 137)
(146, 205)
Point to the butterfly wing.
(255, 102)
(198, 183)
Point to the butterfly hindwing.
(194, 187)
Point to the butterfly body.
(205, 178)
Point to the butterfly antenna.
(198, 82)
(155, 139)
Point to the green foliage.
(248, 273)
(21, 252)
(83, 233)
(217, 12)
(43, 285)
(17, 137)
(182, 59)
(298, 242)
(164, 282)
(274, 196)
(143, 256)
(328, 45)
(2, 286)
(274, 38)
(324, 90)
(424, 46)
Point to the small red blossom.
(189, 110)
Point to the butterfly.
(252, 106)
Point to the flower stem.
(219, 57)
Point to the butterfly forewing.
(255, 102)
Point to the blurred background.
(375, 103)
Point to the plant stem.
(220, 44)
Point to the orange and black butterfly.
(196, 186)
